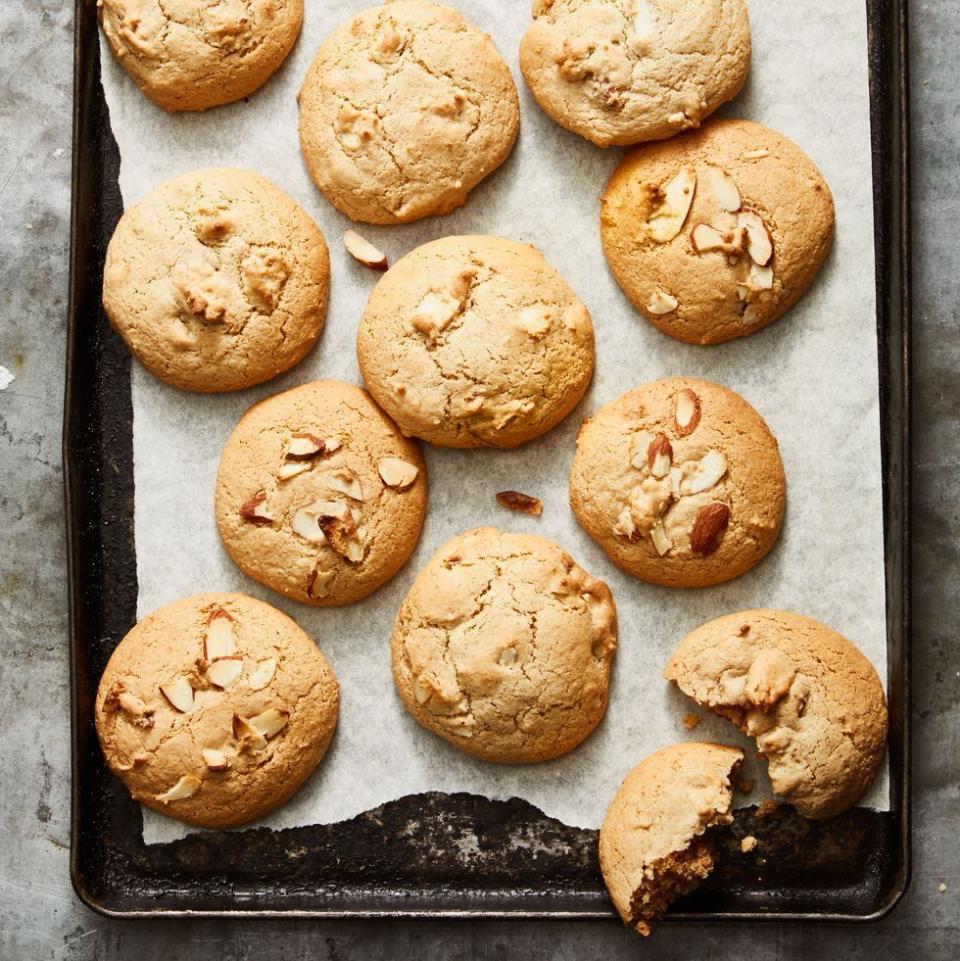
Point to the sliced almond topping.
(215, 759)
(306, 523)
(185, 788)
(397, 473)
(292, 469)
(342, 536)
(708, 528)
(668, 219)
(687, 415)
(705, 238)
(179, 692)
(760, 278)
(662, 303)
(659, 456)
(757, 154)
(364, 251)
(255, 509)
(708, 473)
(759, 243)
(344, 481)
(661, 543)
(218, 641)
(515, 501)
(625, 526)
(249, 738)
(723, 188)
(318, 583)
(304, 446)
(332, 444)
(262, 674)
(270, 722)
(225, 670)
(122, 699)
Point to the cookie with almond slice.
(680, 481)
(215, 709)
(716, 233)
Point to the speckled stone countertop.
(40, 918)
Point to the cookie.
(475, 341)
(813, 702)
(621, 72)
(406, 108)
(318, 494)
(195, 54)
(503, 647)
(655, 841)
(215, 709)
(680, 481)
(717, 233)
(217, 280)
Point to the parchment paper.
(813, 376)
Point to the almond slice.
(215, 759)
(185, 788)
(249, 737)
(363, 251)
(757, 154)
(661, 543)
(332, 444)
(179, 692)
(723, 188)
(687, 414)
(708, 473)
(662, 303)
(659, 456)
(516, 501)
(705, 238)
(262, 674)
(668, 220)
(224, 671)
(344, 481)
(397, 473)
(759, 243)
(218, 641)
(292, 469)
(306, 523)
(760, 278)
(270, 722)
(304, 446)
(255, 509)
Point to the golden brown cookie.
(626, 71)
(813, 702)
(655, 841)
(717, 233)
(503, 647)
(319, 496)
(215, 709)
(194, 54)
(680, 481)
(217, 280)
(406, 108)
(475, 341)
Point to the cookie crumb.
(690, 721)
(748, 844)
(942, 888)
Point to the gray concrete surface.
(39, 916)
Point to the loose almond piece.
(179, 693)
(262, 674)
(218, 641)
(255, 509)
(723, 188)
(708, 474)
(304, 446)
(225, 671)
(397, 473)
(711, 522)
(668, 220)
(185, 788)
(662, 303)
(362, 250)
(659, 456)
(759, 244)
(706, 238)
(214, 759)
(515, 501)
(687, 415)
(270, 722)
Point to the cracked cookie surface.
(217, 280)
(811, 699)
(736, 247)
(475, 341)
(404, 110)
(620, 72)
(215, 709)
(503, 647)
(654, 843)
(195, 54)
(319, 496)
(680, 481)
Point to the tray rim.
(898, 310)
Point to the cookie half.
(623, 73)
(717, 233)
(319, 496)
(405, 109)
(680, 481)
(813, 702)
(475, 341)
(215, 709)
(655, 839)
(192, 55)
(503, 647)
(217, 280)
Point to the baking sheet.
(813, 376)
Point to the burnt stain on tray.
(431, 854)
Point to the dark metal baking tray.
(405, 858)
